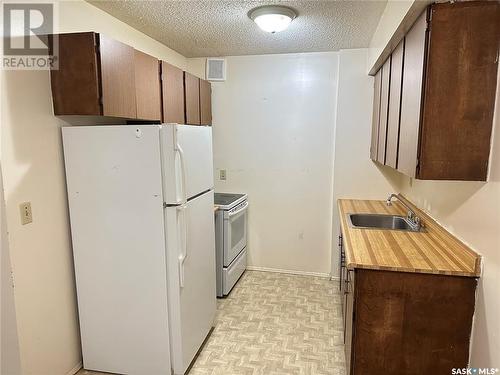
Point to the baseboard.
(292, 272)
(75, 369)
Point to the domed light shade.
(272, 19)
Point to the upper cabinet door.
(460, 86)
(75, 85)
(147, 87)
(205, 102)
(172, 94)
(192, 98)
(384, 106)
(118, 78)
(376, 115)
(391, 152)
(413, 70)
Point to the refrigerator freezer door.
(187, 161)
(191, 277)
(116, 209)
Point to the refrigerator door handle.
(179, 149)
(183, 250)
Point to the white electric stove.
(230, 240)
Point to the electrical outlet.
(26, 215)
(222, 174)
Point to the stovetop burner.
(228, 200)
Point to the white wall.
(396, 20)
(78, 15)
(196, 66)
(390, 20)
(9, 345)
(40, 253)
(273, 133)
(355, 175)
(10, 362)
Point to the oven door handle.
(245, 206)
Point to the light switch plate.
(222, 174)
(26, 215)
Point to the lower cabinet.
(406, 323)
(348, 301)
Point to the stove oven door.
(235, 232)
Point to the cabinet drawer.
(232, 273)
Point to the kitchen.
(292, 127)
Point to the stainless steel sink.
(378, 221)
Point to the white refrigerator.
(142, 224)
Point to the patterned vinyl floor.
(275, 324)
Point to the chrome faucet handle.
(388, 201)
(410, 214)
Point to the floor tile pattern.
(275, 324)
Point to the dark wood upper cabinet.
(117, 78)
(413, 70)
(391, 152)
(172, 93)
(376, 115)
(147, 86)
(205, 102)
(99, 76)
(460, 85)
(384, 111)
(449, 80)
(192, 98)
(76, 88)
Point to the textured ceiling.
(222, 28)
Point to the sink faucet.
(410, 215)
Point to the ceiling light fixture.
(272, 18)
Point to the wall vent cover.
(216, 69)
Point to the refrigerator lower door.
(187, 161)
(116, 208)
(191, 277)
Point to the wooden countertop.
(434, 250)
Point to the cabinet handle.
(348, 282)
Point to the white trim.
(75, 369)
(292, 272)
